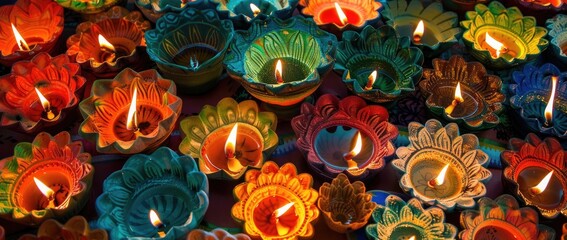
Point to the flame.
(549, 108)
(44, 189)
(458, 95)
(440, 179)
(44, 102)
(230, 145)
(371, 78)
(556, 3)
(278, 72)
(105, 43)
(254, 9)
(540, 187)
(495, 44)
(418, 33)
(22, 44)
(411, 238)
(282, 210)
(132, 120)
(154, 219)
(357, 146)
(342, 17)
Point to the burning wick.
(230, 150)
(255, 10)
(411, 238)
(183, 2)
(371, 78)
(418, 33)
(22, 44)
(45, 104)
(193, 61)
(458, 99)
(540, 187)
(342, 16)
(132, 118)
(548, 113)
(278, 72)
(156, 222)
(355, 151)
(495, 44)
(440, 179)
(282, 230)
(47, 192)
(107, 47)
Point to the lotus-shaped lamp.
(155, 9)
(531, 94)
(346, 207)
(502, 218)
(189, 48)
(305, 52)
(528, 163)
(108, 110)
(59, 166)
(38, 22)
(56, 79)
(557, 27)
(440, 27)
(208, 132)
(88, 7)
(328, 133)
(501, 37)
(112, 41)
(397, 64)
(162, 194)
(480, 92)
(276, 203)
(215, 234)
(441, 167)
(401, 220)
(76, 228)
(243, 12)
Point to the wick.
(432, 183)
(352, 165)
(416, 38)
(449, 109)
(50, 115)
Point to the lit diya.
(29, 27)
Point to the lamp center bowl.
(332, 143)
(443, 96)
(293, 70)
(387, 74)
(343, 210)
(148, 118)
(553, 197)
(497, 229)
(194, 54)
(513, 45)
(405, 25)
(534, 104)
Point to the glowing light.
(548, 113)
(418, 33)
(279, 72)
(156, 222)
(233, 163)
(22, 44)
(495, 44)
(281, 229)
(355, 151)
(542, 185)
(254, 9)
(44, 189)
(440, 179)
(45, 104)
(132, 119)
(105, 43)
(342, 16)
(458, 99)
(371, 79)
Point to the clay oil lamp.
(542, 10)
(345, 207)
(537, 172)
(338, 16)
(463, 92)
(158, 196)
(76, 228)
(281, 62)
(276, 203)
(39, 93)
(539, 97)
(344, 136)
(48, 178)
(155, 9)
(132, 113)
(110, 42)
(377, 64)
(189, 48)
(89, 7)
(429, 27)
(243, 12)
(557, 27)
(441, 167)
(502, 218)
(29, 27)
(495, 37)
(246, 136)
(215, 234)
(397, 219)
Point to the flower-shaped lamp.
(243, 12)
(215, 234)
(557, 27)
(38, 22)
(441, 167)
(532, 90)
(115, 126)
(440, 28)
(59, 165)
(528, 163)
(39, 92)
(501, 37)
(110, 42)
(155, 9)
(189, 48)
(346, 207)
(397, 65)
(480, 92)
(338, 16)
(76, 228)
(326, 132)
(206, 137)
(542, 10)
(164, 183)
(89, 7)
(306, 54)
(401, 220)
(502, 218)
(276, 203)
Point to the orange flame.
(105, 43)
(540, 187)
(254, 9)
(411, 238)
(281, 229)
(132, 119)
(44, 102)
(44, 189)
(282, 210)
(278, 72)
(418, 33)
(342, 16)
(440, 179)
(154, 219)
(371, 79)
(355, 151)
(458, 99)
(458, 94)
(22, 44)
(233, 164)
(548, 113)
(495, 44)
